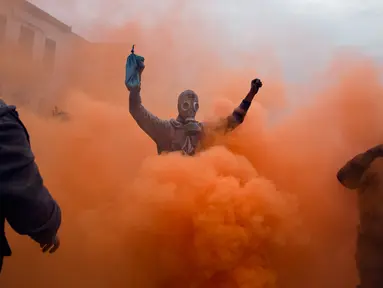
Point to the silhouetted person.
(24, 200)
(365, 173)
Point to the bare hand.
(52, 246)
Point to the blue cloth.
(133, 69)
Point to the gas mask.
(187, 109)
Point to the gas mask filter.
(187, 108)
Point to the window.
(49, 54)
(26, 40)
(3, 28)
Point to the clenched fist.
(255, 85)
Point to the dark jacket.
(25, 202)
(351, 174)
(364, 174)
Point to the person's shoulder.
(175, 123)
(373, 176)
(376, 168)
(6, 109)
(10, 124)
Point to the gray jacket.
(169, 135)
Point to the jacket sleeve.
(29, 207)
(154, 127)
(238, 115)
(350, 175)
(232, 121)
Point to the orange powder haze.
(260, 209)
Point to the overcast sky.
(344, 22)
(324, 25)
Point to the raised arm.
(238, 115)
(351, 173)
(25, 202)
(154, 127)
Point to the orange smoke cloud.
(261, 208)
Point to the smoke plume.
(261, 208)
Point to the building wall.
(22, 14)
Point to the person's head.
(188, 105)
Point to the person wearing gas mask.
(183, 133)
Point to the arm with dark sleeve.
(351, 173)
(235, 119)
(238, 115)
(29, 207)
(154, 127)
